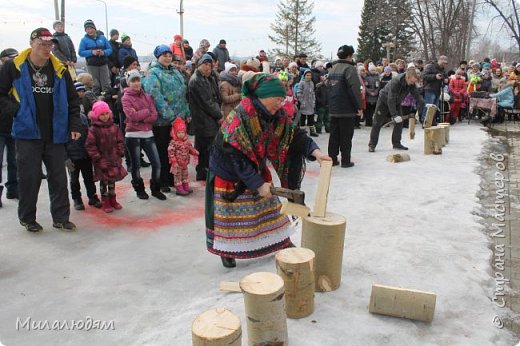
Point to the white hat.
(228, 66)
(411, 65)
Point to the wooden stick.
(320, 204)
(411, 127)
(230, 286)
(401, 302)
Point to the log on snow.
(216, 327)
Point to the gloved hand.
(397, 119)
(70, 165)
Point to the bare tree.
(508, 13)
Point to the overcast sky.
(245, 27)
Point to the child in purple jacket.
(106, 148)
(141, 114)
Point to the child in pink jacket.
(179, 151)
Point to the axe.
(294, 196)
(404, 118)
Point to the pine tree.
(293, 29)
(370, 33)
(399, 25)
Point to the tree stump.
(216, 327)
(446, 131)
(432, 140)
(442, 136)
(265, 309)
(411, 127)
(326, 237)
(430, 114)
(296, 267)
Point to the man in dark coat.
(434, 77)
(344, 105)
(64, 49)
(206, 116)
(390, 98)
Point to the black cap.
(213, 56)
(222, 42)
(302, 55)
(127, 61)
(8, 53)
(43, 34)
(345, 51)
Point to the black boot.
(156, 190)
(1, 190)
(139, 189)
(228, 262)
(78, 204)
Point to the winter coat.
(429, 77)
(372, 88)
(205, 105)
(457, 89)
(229, 92)
(505, 97)
(485, 85)
(289, 104)
(345, 90)
(168, 90)
(125, 51)
(222, 56)
(306, 96)
(88, 44)
(76, 149)
(113, 59)
(105, 146)
(139, 110)
(64, 49)
(385, 79)
(179, 151)
(322, 94)
(17, 100)
(177, 50)
(495, 83)
(394, 93)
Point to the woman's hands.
(321, 156)
(265, 190)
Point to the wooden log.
(430, 115)
(230, 286)
(320, 204)
(401, 302)
(326, 237)
(411, 128)
(216, 327)
(395, 158)
(442, 136)
(290, 208)
(264, 299)
(432, 141)
(296, 267)
(446, 131)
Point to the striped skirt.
(250, 226)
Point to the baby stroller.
(445, 109)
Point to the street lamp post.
(181, 13)
(106, 16)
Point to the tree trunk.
(296, 267)
(216, 327)
(432, 140)
(326, 237)
(265, 309)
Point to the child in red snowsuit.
(105, 146)
(458, 90)
(179, 151)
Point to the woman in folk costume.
(243, 219)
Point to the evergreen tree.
(293, 29)
(370, 33)
(399, 26)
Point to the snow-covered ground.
(146, 268)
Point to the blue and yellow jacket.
(16, 86)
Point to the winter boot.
(113, 202)
(1, 190)
(313, 132)
(95, 202)
(156, 191)
(187, 187)
(78, 204)
(139, 189)
(179, 190)
(107, 208)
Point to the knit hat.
(127, 61)
(133, 74)
(56, 23)
(371, 68)
(204, 44)
(89, 23)
(205, 58)
(100, 107)
(387, 69)
(8, 53)
(319, 63)
(222, 42)
(124, 37)
(177, 125)
(411, 65)
(460, 72)
(228, 66)
(306, 71)
(283, 76)
(79, 86)
(486, 65)
(293, 64)
(177, 37)
(114, 32)
(253, 62)
(264, 85)
(213, 56)
(160, 50)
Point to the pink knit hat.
(100, 107)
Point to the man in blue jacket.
(96, 49)
(37, 92)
